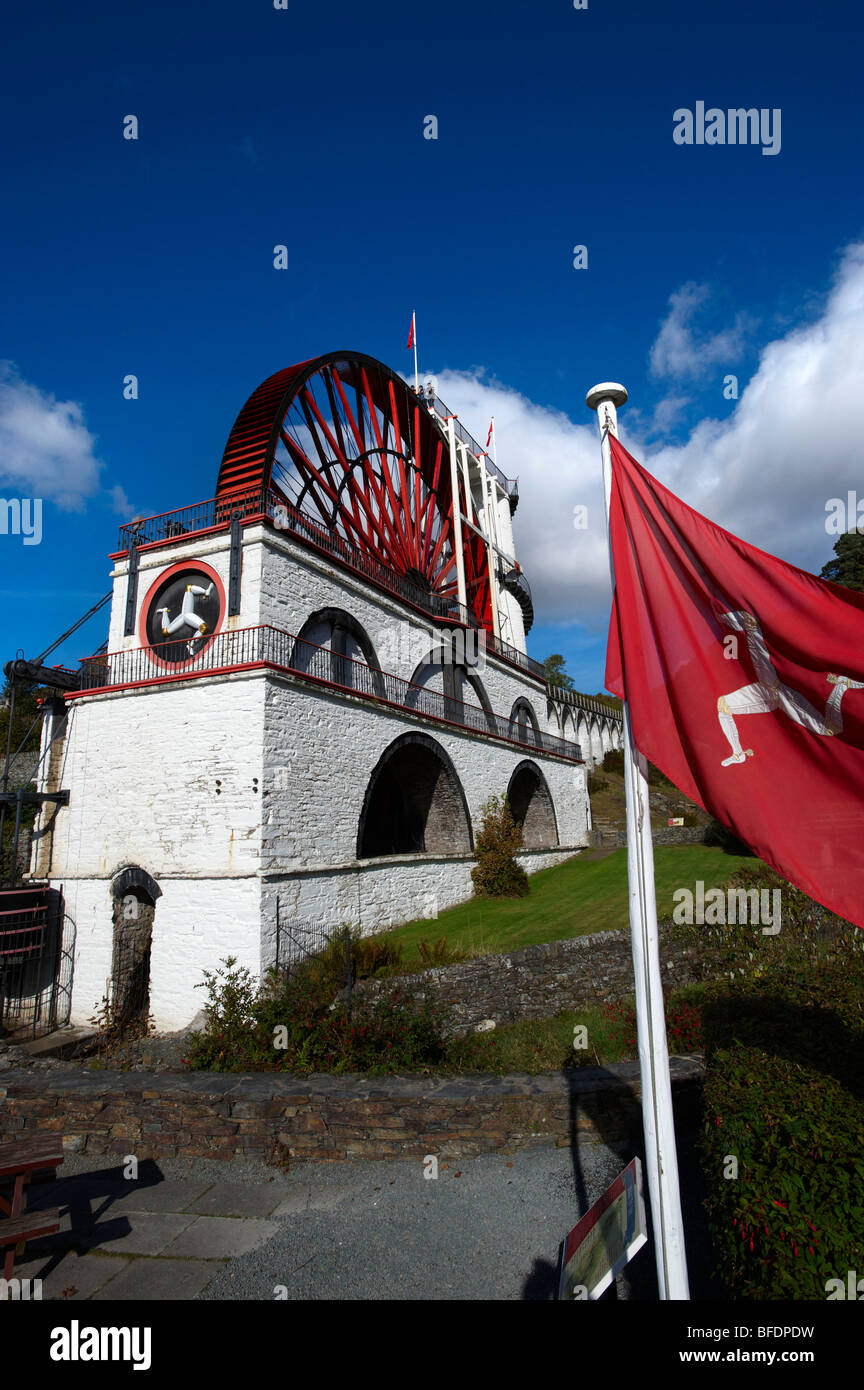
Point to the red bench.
(20, 1160)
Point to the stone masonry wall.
(325, 1118)
(660, 835)
(540, 981)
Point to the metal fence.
(269, 646)
(300, 942)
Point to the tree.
(555, 673)
(611, 700)
(848, 568)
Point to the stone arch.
(523, 716)
(344, 642)
(532, 806)
(557, 716)
(414, 803)
(454, 677)
(583, 735)
(596, 740)
(606, 737)
(134, 893)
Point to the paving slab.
(149, 1233)
(157, 1279)
(75, 1278)
(235, 1199)
(327, 1198)
(170, 1195)
(293, 1202)
(221, 1237)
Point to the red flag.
(491, 428)
(411, 334)
(745, 681)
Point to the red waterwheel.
(347, 443)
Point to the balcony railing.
(218, 512)
(271, 648)
(514, 656)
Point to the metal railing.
(201, 516)
(217, 512)
(271, 647)
(499, 647)
(586, 702)
(433, 402)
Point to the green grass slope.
(583, 895)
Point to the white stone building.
(312, 685)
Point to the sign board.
(676, 820)
(606, 1239)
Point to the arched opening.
(524, 724)
(414, 803)
(134, 893)
(451, 682)
(531, 804)
(332, 645)
(596, 741)
(583, 737)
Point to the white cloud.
(794, 440)
(680, 349)
(121, 505)
(45, 448)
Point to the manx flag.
(745, 681)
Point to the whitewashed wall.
(231, 791)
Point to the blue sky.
(305, 127)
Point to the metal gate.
(36, 957)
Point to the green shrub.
(784, 1042)
(496, 873)
(794, 1216)
(596, 784)
(370, 957)
(296, 1025)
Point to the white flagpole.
(657, 1117)
(414, 336)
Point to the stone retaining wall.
(276, 1117)
(540, 981)
(660, 835)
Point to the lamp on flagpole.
(658, 1124)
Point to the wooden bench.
(19, 1160)
(16, 1231)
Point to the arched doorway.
(414, 803)
(134, 895)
